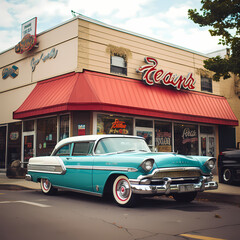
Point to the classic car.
(122, 166)
(229, 166)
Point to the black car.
(229, 166)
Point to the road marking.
(27, 202)
(200, 237)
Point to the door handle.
(68, 158)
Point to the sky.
(164, 20)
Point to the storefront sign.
(28, 36)
(118, 127)
(14, 136)
(189, 135)
(51, 55)
(10, 71)
(27, 43)
(81, 129)
(151, 76)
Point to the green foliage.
(224, 18)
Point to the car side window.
(64, 151)
(82, 148)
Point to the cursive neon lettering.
(151, 76)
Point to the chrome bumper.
(28, 177)
(168, 188)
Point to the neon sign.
(151, 76)
(118, 127)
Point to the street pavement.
(225, 193)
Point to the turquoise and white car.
(123, 166)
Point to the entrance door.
(147, 133)
(3, 147)
(28, 147)
(207, 145)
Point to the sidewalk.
(225, 193)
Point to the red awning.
(102, 92)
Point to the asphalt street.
(28, 214)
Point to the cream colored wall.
(63, 39)
(94, 40)
(228, 90)
(10, 101)
(13, 91)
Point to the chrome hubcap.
(123, 190)
(227, 175)
(46, 184)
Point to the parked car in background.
(122, 166)
(229, 166)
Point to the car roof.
(91, 138)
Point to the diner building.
(86, 77)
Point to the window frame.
(206, 84)
(118, 69)
(90, 148)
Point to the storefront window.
(2, 146)
(109, 124)
(46, 136)
(144, 123)
(28, 126)
(186, 139)
(64, 126)
(163, 137)
(14, 142)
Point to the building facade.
(86, 77)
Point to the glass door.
(147, 133)
(28, 147)
(207, 145)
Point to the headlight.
(210, 163)
(147, 165)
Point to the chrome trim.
(168, 188)
(79, 167)
(110, 168)
(102, 168)
(28, 177)
(54, 169)
(79, 191)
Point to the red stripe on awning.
(102, 92)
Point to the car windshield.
(120, 145)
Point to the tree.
(224, 17)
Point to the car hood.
(165, 160)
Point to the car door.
(79, 167)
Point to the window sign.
(108, 124)
(186, 139)
(81, 129)
(163, 137)
(151, 75)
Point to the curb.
(219, 197)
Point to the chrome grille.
(177, 174)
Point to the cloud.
(164, 20)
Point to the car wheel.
(227, 176)
(185, 197)
(47, 187)
(122, 192)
